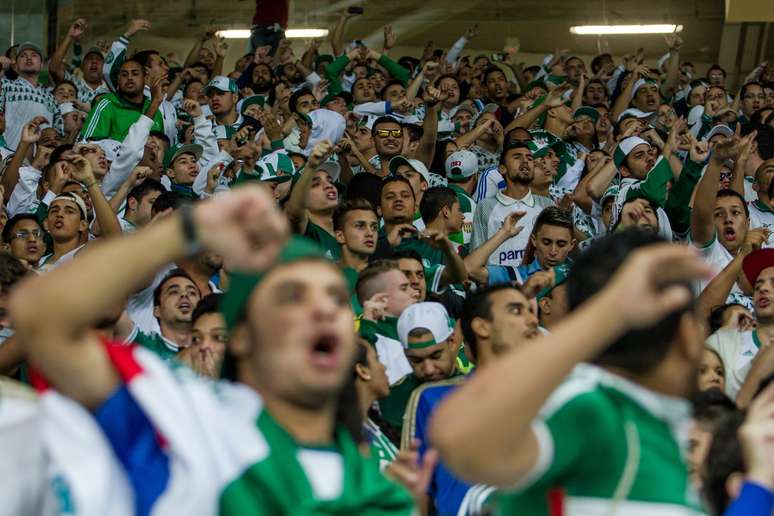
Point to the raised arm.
(476, 261)
(63, 348)
(29, 136)
(507, 446)
(669, 86)
(426, 150)
(295, 208)
(702, 227)
(553, 99)
(56, 65)
(103, 212)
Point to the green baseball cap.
(257, 100)
(175, 152)
(221, 83)
(242, 284)
(586, 111)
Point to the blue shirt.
(528, 270)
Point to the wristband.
(192, 244)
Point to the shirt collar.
(528, 199)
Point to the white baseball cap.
(461, 165)
(430, 316)
(332, 168)
(720, 129)
(413, 163)
(625, 147)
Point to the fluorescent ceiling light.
(290, 33)
(585, 30)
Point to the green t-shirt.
(325, 240)
(393, 407)
(430, 255)
(350, 275)
(333, 479)
(155, 342)
(606, 443)
(468, 208)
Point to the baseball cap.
(93, 50)
(28, 45)
(461, 165)
(413, 163)
(539, 151)
(720, 129)
(755, 262)
(219, 82)
(429, 315)
(633, 113)
(175, 152)
(588, 111)
(332, 168)
(465, 105)
(625, 147)
(109, 147)
(73, 197)
(258, 100)
(343, 95)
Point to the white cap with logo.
(461, 165)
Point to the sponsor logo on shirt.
(511, 254)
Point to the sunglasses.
(385, 133)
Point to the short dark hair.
(384, 120)
(166, 201)
(8, 230)
(479, 304)
(747, 86)
(414, 131)
(638, 351)
(174, 273)
(293, 102)
(434, 200)
(765, 140)
(147, 186)
(71, 83)
(11, 271)
(343, 209)
(598, 61)
(711, 406)
(553, 216)
(724, 457)
(207, 305)
(718, 313)
(727, 192)
(136, 61)
(391, 83)
(511, 146)
(716, 67)
(395, 179)
(757, 117)
(143, 57)
(489, 71)
(406, 254)
(365, 186)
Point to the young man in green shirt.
(174, 301)
(356, 225)
(313, 200)
(270, 444)
(610, 435)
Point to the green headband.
(421, 345)
(242, 284)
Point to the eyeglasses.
(25, 234)
(385, 133)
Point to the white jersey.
(761, 216)
(489, 217)
(736, 350)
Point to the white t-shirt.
(489, 217)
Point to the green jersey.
(324, 239)
(334, 479)
(160, 345)
(350, 275)
(607, 445)
(468, 208)
(381, 447)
